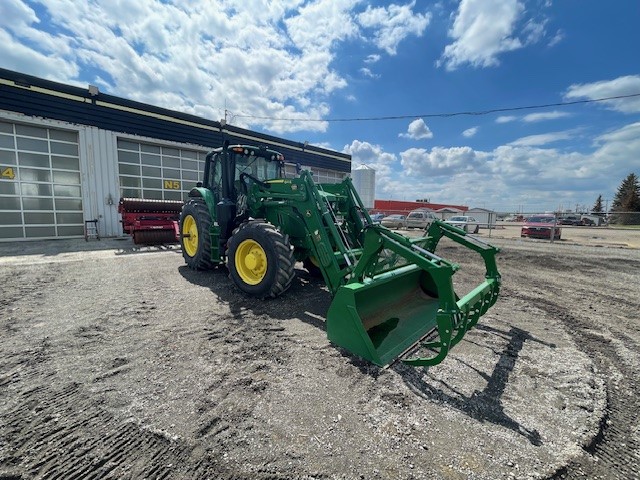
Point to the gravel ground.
(120, 362)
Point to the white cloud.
(371, 155)
(375, 157)
(16, 16)
(16, 56)
(542, 116)
(533, 31)
(626, 85)
(533, 117)
(618, 153)
(253, 58)
(318, 25)
(372, 58)
(482, 30)
(439, 161)
(368, 73)
(417, 130)
(470, 132)
(393, 24)
(506, 119)
(557, 38)
(542, 139)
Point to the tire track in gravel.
(52, 426)
(612, 452)
(50, 429)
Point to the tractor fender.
(207, 196)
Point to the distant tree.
(627, 202)
(597, 208)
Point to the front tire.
(195, 239)
(311, 264)
(260, 260)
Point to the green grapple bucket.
(383, 317)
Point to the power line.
(442, 115)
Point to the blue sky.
(293, 67)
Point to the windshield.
(458, 219)
(257, 166)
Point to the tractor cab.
(239, 164)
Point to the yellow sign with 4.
(7, 172)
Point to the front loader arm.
(389, 292)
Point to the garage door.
(156, 171)
(40, 192)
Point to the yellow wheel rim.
(190, 235)
(251, 262)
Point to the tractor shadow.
(485, 405)
(308, 300)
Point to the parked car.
(541, 226)
(468, 224)
(570, 220)
(394, 221)
(593, 220)
(420, 219)
(377, 217)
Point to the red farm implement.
(151, 222)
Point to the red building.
(397, 206)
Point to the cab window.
(215, 174)
(257, 166)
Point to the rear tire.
(260, 260)
(195, 239)
(477, 229)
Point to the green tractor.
(391, 294)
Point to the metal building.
(68, 154)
